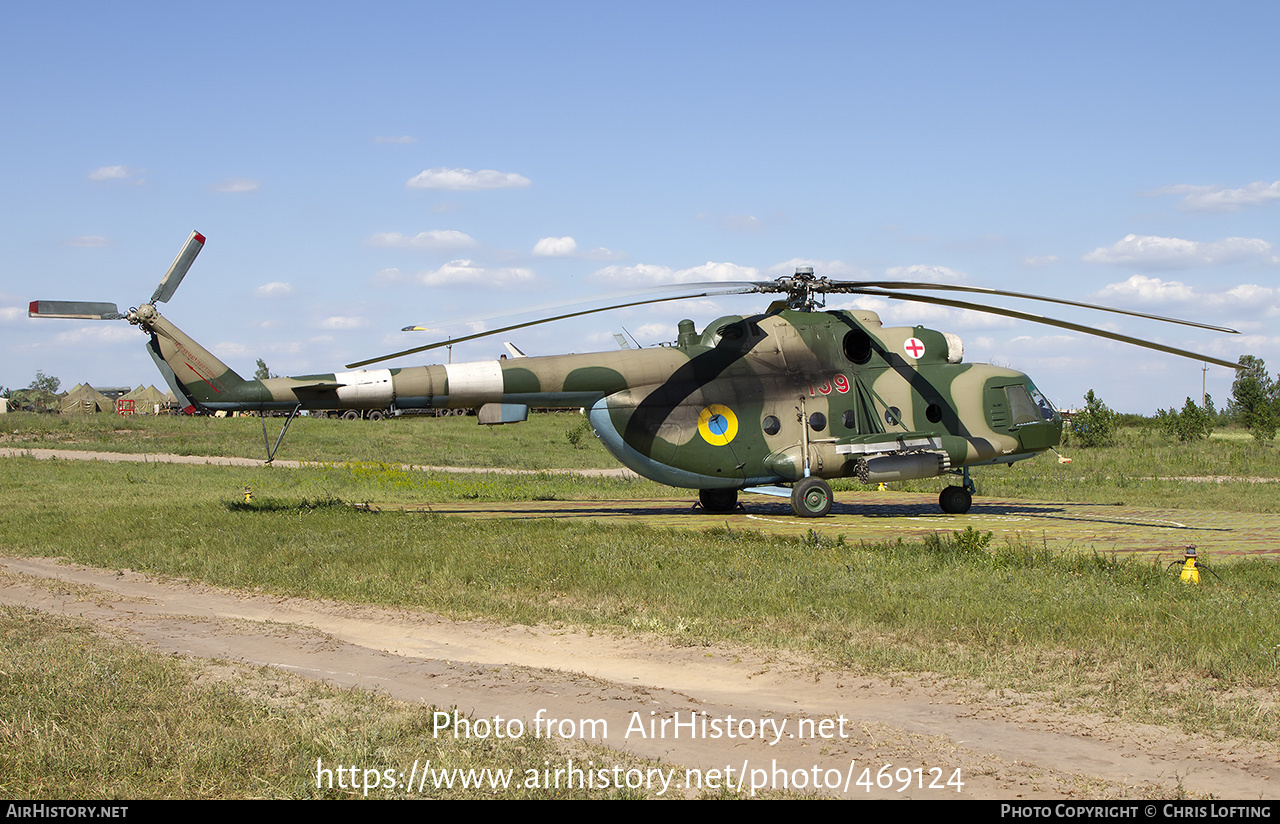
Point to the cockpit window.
(1047, 412)
(1021, 408)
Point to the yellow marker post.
(1190, 569)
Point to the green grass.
(1144, 468)
(1088, 630)
(541, 443)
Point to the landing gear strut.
(271, 450)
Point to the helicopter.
(790, 398)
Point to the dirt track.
(1005, 746)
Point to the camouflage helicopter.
(794, 396)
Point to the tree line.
(1254, 406)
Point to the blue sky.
(359, 168)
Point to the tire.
(376, 415)
(811, 498)
(351, 415)
(718, 500)
(955, 500)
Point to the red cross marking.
(914, 347)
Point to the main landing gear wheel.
(811, 498)
(955, 500)
(718, 500)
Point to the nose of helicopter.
(1040, 436)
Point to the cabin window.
(771, 425)
(818, 421)
(933, 413)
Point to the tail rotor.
(95, 310)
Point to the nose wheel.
(955, 500)
(811, 498)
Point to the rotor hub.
(143, 316)
(801, 288)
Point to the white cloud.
(275, 289)
(10, 313)
(567, 247)
(237, 185)
(928, 274)
(98, 333)
(742, 223)
(433, 239)
(648, 274)
(231, 350)
(89, 242)
(109, 173)
(1148, 252)
(1244, 300)
(341, 322)
(734, 223)
(462, 272)
(555, 247)
(912, 313)
(404, 138)
(386, 277)
(601, 253)
(834, 269)
(1147, 290)
(655, 332)
(465, 179)
(1220, 198)
(105, 173)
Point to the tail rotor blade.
(75, 309)
(169, 283)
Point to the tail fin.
(196, 376)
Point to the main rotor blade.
(738, 289)
(891, 284)
(1062, 324)
(77, 309)
(178, 269)
(711, 288)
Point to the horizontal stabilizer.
(499, 413)
(80, 309)
(319, 386)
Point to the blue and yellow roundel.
(717, 424)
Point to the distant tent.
(84, 399)
(146, 399)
